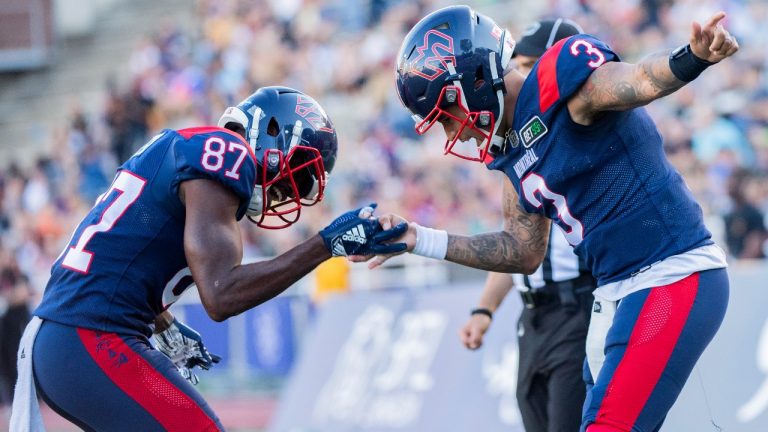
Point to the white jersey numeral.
(129, 186)
(597, 56)
(213, 158)
(233, 173)
(533, 185)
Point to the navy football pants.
(109, 382)
(651, 348)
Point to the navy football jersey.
(608, 185)
(125, 262)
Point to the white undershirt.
(667, 271)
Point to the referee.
(557, 297)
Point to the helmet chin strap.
(457, 82)
(315, 186)
(256, 206)
(497, 142)
(295, 135)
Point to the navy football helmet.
(456, 57)
(295, 145)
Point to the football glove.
(185, 348)
(357, 232)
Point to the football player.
(578, 148)
(170, 218)
(552, 329)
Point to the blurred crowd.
(342, 53)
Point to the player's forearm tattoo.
(510, 251)
(621, 86)
(659, 75)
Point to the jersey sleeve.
(564, 68)
(216, 154)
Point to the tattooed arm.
(519, 248)
(617, 86)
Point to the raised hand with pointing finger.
(712, 42)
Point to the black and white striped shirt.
(560, 263)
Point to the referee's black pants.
(550, 389)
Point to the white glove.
(185, 348)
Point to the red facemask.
(300, 181)
(475, 120)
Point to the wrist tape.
(431, 243)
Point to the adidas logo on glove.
(356, 234)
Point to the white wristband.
(431, 243)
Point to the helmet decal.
(436, 41)
(311, 111)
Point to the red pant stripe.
(170, 406)
(650, 346)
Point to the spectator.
(745, 231)
(16, 292)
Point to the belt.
(565, 293)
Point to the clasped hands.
(360, 236)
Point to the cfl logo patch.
(356, 234)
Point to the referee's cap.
(541, 35)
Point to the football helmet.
(295, 145)
(456, 57)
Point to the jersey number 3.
(129, 187)
(595, 54)
(533, 185)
